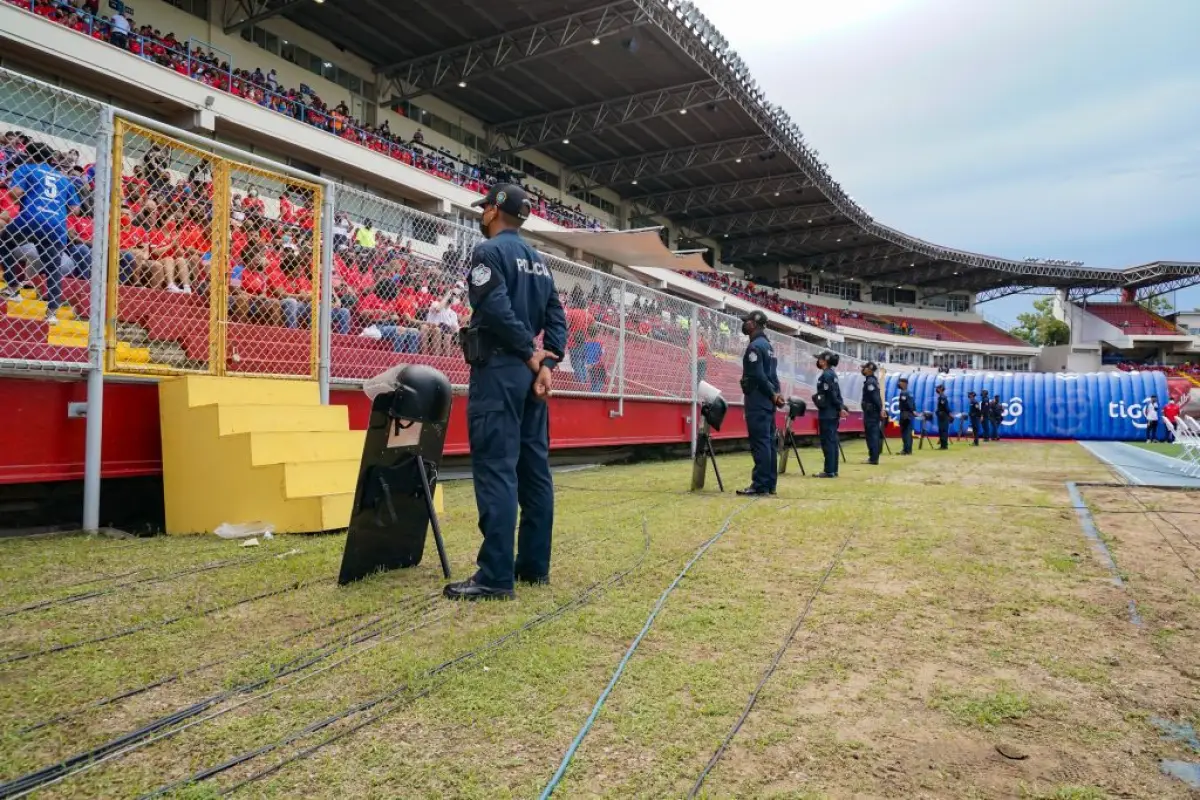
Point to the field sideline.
(968, 643)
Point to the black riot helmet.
(829, 357)
(753, 322)
(870, 366)
(941, 387)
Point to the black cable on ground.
(62, 648)
(168, 679)
(579, 600)
(146, 735)
(126, 742)
(248, 651)
(81, 596)
(616, 676)
(753, 699)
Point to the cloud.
(1018, 128)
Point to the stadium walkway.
(1142, 467)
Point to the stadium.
(274, 206)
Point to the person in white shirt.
(1151, 414)
(440, 329)
(120, 30)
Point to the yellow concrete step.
(32, 308)
(233, 419)
(335, 511)
(69, 340)
(287, 447)
(127, 354)
(319, 478)
(205, 390)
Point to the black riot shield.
(393, 502)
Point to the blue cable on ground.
(662, 601)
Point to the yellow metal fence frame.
(219, 262)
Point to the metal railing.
(182, 255)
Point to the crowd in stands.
(382, 288)
(300, 103)
(1186, 369)
(817, 316)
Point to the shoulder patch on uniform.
(481, 275)
(752, 357)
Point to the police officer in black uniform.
(906, 410)
(830, 411)
(986, 420)
(873, 413)
(976, 415)
(997, 415)
(944, 416)
(760, 385)
(513, 299)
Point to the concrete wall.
(1069, 358)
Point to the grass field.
(1162, 448)
(967, 644)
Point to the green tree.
(1157, 305)
(1040, 327)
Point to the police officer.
(830, 411)
(513, 299)
(873, 413)
(985, 406)
(976, 415)
(906, 411)
(944, 416)
(997, 415)
(760, 385)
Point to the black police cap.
(757, 317)
(509, 198)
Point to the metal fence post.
(620, 412)
(694, 349)
(97, 321)
(325, 315)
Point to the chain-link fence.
(272, 295)
(49, 146)
(214, 267)
(161, 308)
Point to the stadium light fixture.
(566, 141)
(683, 111)
(595, 41)
(319, 2)
(462, 84)
(737, 161)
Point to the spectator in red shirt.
(392, 315)
(249, 300)
(579, 321)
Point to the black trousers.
(906, 435)
(873, 431)
(828, 429)
(943, 432)
(976, 424)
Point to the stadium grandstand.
(670, 194)
(268, 204)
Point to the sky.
(1065, 129)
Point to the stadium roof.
(646, 98)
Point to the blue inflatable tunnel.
(1048, 405)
